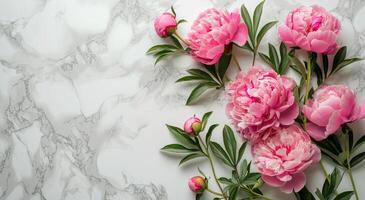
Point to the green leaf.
(319, 195)
(223, 64)
(233, 193)
(266, 59)
(181, 21)
(347, 131)
(198, 196)
(198, 91)
(247, 19)
(359, 143)
(264, 30)
(298, 66)
(346, 63)
(225, 180)
(219, 152)
(177, 148)
(274, 56)
(247, 46)
(159, 58)
(325, 64)
(241, 151)
(304, 194)
(284, 59)
(200, 73)
(190, 78)
(243, 169)
(257, 16)
(209, 133)
(344, 195)
(176, 42)
(251, 179)
(339, 57)
(161, 47)
(180, 135)
(357, 159)
(173, 11)
(205, 119)
(230, 143)
(190, 157)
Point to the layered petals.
(212, 31)
(259, 101)
(282, 158)
(312, 29)
(331, 107)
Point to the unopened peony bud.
(193, 126)
(197, 184)
(165, 24)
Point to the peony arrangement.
(288, 126)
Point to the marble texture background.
(82, 108)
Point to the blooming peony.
(282, 158)
(192, 126)
(165, 24)
(330, 107)
(197, 184)
(211, 31)
(260, 101)
(312, 29)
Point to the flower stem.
(213, 192)
(236, 62)
(181, 38)
(325, 173)
(254, 193)
(212, 167)
(307, 87)
(349, 171)
(254, 56)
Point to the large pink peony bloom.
(312, 29)
(211, 31)
(330, 107)
(260, 101)
(282, 158)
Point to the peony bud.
(165, 24)
(193, 126)
(197, 184)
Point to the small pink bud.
(165, 24)
(193, 126)
(197, 184)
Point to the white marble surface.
(82, 108)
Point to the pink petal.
(321, 115)
(240, 37)
(272, 180)
(334, 123)
(316, 132)
(319, 46)
(296, 184)
(359, 113)
(288, 116)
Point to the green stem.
(212, 167)
(213, 192)
(254, 56)
(307, 87)
(181, 38)
(325, 173)
(237, 63)
(254, 193)
(349, 171)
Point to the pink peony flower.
(330, 107)
(165, 24)
(312, 29)
(212, 31)
(282, 158)
(197, 184)
(192, 126)
(260, 101)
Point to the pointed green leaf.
(266, 59)
(173, 10)
(325, 64)
(357, 159)
(181, 136)
(247, 19)
(181, 21)
(263, 31)
(210, 132)
(223, 64)
(274, 56)
(198, 91)
(344, 195)
(241, 151)
(319, 195)
(346, 63)
(230, 143)
(205, 119)
(219, 152)
(257, 16)
(189, 78)
(339, 57)
(304, 194)
(176, 42)
(359, 143)
(161, 47)
(200, 73)
(190, 157)
(177, 148)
